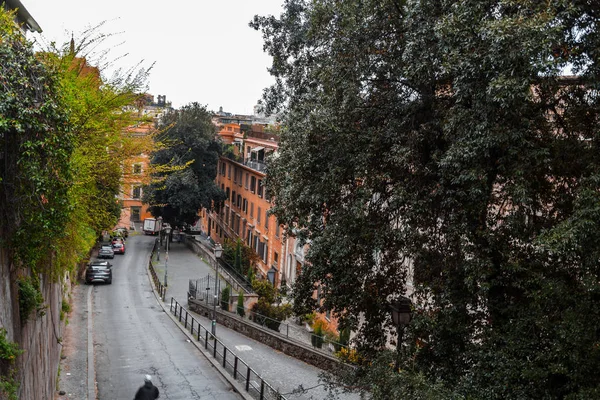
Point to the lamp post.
(167, 232)
(401, 316)
(159, 219)
(218, 254)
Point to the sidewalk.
(283, 372)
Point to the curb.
(234, 383)
(91, 362)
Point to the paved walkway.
(283, 372)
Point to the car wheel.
(109, 281)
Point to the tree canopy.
(61, 130)
(435, 148)
(185, 166)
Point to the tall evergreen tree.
(190, 153)
(433, 147)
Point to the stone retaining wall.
(269, 338)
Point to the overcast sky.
(203, 50)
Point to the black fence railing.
(253, 383)
(203, 289)
(162, 290)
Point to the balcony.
(256, 165)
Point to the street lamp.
(401, 316)
(218, 254)
(159, 219)
(167, 232)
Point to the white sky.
(204, 50)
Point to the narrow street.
(133, 336)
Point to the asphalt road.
(132, 337)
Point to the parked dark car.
(106, 251)
(98, 273)
(119, 247)
(100, 263)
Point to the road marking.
(243, 347)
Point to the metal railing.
(237, 282)
(253, 383)
(256, 165)
(203, 290)
(162, 290)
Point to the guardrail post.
(247, 378)
(262, 389)
(215, 347)
(235, 362)
(224, 356)
(186, 317)
(206, 341)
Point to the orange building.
(136, 169)
(241, 175)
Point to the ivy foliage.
(62, 146)
(433, 147)
(36, 145)
(188, 155)
(9, 351)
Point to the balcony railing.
(256, 165)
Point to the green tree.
(191, 149)
(437, 141)
(240, 305)
(225, 298)
(267, 295)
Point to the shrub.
(225, 298)
(30, 298)
(317, 336)
(240, 305)
(250, 276)
(9, 351)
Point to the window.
(277, 229)
(247, 179)
(235, 174)
(252, 184)
(260, 188)
(229, 171)
(276, 259)
(232, 221)
(252, 210)
(223, 166)
(226, 215)
(137, 168)
(240, 177)
(245, 205)
(267, 219)
(267, 196)
(136, 192)
(258, 215)
(266, 255)
(227, 193)
(233, 197)
(239, 201)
